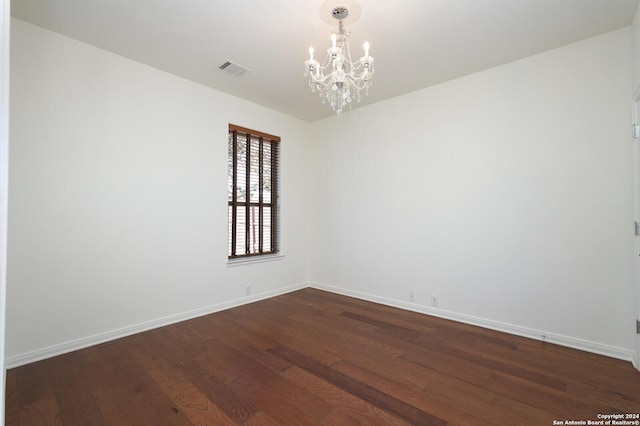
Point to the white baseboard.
(571, 342)
(73, 345)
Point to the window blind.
(253, 192)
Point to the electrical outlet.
(434, 300)
(412, 296)
(248, 290)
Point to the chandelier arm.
(322, 78)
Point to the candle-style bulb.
(333, 40)
(311, 54)
(366, 49)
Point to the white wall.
(117, 215)
(635, 90)
(507, 193)
(5, 22)
(635, 28)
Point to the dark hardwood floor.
(312, 357)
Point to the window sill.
(254, 259)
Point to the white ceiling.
(416, 43)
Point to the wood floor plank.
(507, 411)
(390, 363)
(363, 391)
(128, 396)
(275, 402)
(349, 408)
(408, 394)
(12, 403)
(31, 384)
(304, 339)
(623, 402)
(226, 325)
(314, 357)
(598, 371)
(436, 360)
(185, 397)
(493, 363)
(561, 404)
(262, 419)
(342, 342)
(486, 360)
(196, 407)
(158, 369)
(269, 385)
(43, 411)
(233, 404)
(74, 393)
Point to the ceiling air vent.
(233, 69)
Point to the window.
(253, 193)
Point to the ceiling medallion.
(338, 80)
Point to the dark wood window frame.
(253, 193)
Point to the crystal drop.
(339, 111)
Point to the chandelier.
(338, 80)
